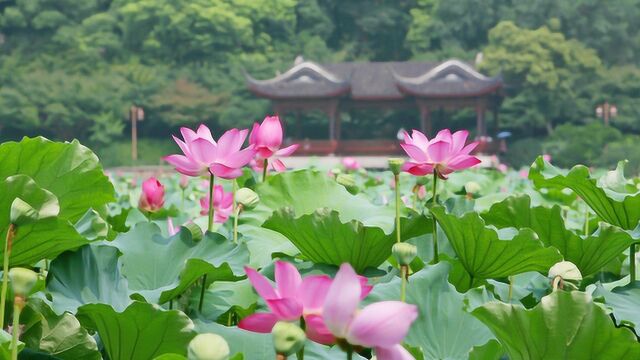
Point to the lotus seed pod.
(208, 347)
(288, 338)
(395, 165)
(566, 270)
(22, 280)
(404, 252)
(472, 187)
(247, 198)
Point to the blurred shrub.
(523, 152)
(150, 152)
(625, 149)
(580, 144)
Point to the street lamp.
(135, 114)
(606, 111)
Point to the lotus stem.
(211, 210)
(397, 180)
(204, 283)
(11, 232)
(303, 326)
(510, 288)
(436, 257)
(182, 201)
(586, 222)
(18, 305)
(404, 270)
(236, 209)
(350, 354)
(632, 263)
(265, 164)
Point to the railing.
(367, 147)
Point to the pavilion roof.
(376, 81)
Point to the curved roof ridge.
(429, 75)
(305, 65)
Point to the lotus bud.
(395, 165)
(566, 270)
(247, 198)
(404, 253)
(184, 181)
(22, 280)
(208, 347)
(472, 187)
(288, 338)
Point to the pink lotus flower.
(443, 154)
(152, 197)
(292, 299)
(546, 157)
(524, 173)
(350, 163)
(267, 139)
(381, 326)
(202, 155)
(222, 204)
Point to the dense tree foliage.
(72, 68)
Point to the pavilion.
(332, 88)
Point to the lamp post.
(135, 114)
(606, 111)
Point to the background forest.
(72, 68)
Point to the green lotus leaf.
(23, 201)
(444, 329)
(605, 198)
(141, 331)
(69, 170)
(88, 276)
(60, 336)
(624, 302)
(484, 256)
(564, 325)
(305, 191)
(323, 237)
(589, 254)
(160, 268)
(92, 226)
(39, 234)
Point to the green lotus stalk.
(236, 211)
(303, 327)
(510, 288)
(586, 222)
(265, 164)
(396, 177)
(210, 229)
(18, 305)
(22, 282)
(436, 257)
(211, 209)
(11, 232)
(632, 263)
